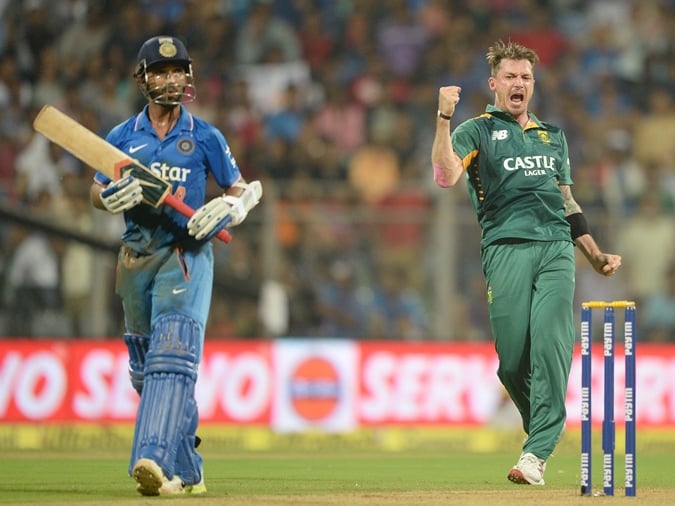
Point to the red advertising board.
(293, 384)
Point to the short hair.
(511, 51)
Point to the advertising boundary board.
(289, 386)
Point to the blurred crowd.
(332, 103)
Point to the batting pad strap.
(138, 347)
(188, 460)
(578, 225)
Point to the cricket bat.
(96, 152)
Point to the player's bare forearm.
(588, 246)
(95, 196)
(603, 263)
(236, 189)
(447, 164)
(571, 205)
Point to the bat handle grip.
(177, 204)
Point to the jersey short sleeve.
(219, 158)
(466, 139)
(565, 168)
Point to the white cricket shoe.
(152, 481)
(150, 477)
(176, 486)
(528, 471)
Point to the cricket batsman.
(165, 263)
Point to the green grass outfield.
(437, 474)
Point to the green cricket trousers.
(530, 287)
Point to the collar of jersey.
(184, 121)
(505, 116)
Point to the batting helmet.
(161, 49)
(158, 50)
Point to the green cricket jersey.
(513, 176)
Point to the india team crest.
(185, 146)
(167, 48)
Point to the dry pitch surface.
(460, 497)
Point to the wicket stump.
(608, 423)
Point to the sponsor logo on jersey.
(168, 173)
(535, 165)
(499, 135)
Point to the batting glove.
(210, 218)
(122, 195)
(226, 210)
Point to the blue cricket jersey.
(185, 157)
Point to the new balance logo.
(499, 135)
(133, 149)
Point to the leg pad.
(167, 405)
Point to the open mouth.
(517, 98)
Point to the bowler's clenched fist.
(448, 96)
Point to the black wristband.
(578, 225)
(443, 116)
